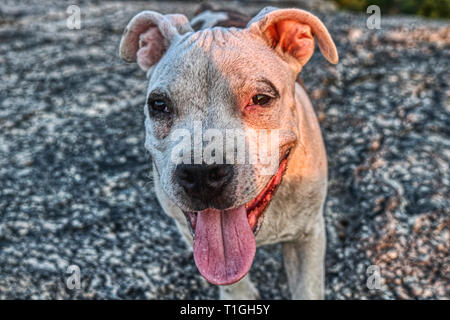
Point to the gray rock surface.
(75, 180)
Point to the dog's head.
(221, 120)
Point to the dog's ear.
(291, 33)
(148, 35)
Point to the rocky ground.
(75, 186)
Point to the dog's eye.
(158, 105)
(261, 99)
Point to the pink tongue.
(224, 245)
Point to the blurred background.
(75, 179)
(425, 8)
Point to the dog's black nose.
(202, 181)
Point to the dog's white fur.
(212, 63)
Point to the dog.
(231, 75)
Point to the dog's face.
(221, 118)
(232, 88)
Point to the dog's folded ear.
(291, 33)
(148, 35)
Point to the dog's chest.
(291, 215)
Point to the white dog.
(223, 78)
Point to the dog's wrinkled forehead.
(287, 32)
(224, 62)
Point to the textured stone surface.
(75, 178)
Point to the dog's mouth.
(224, 240)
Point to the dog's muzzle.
(205, 183)
(224, 239)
